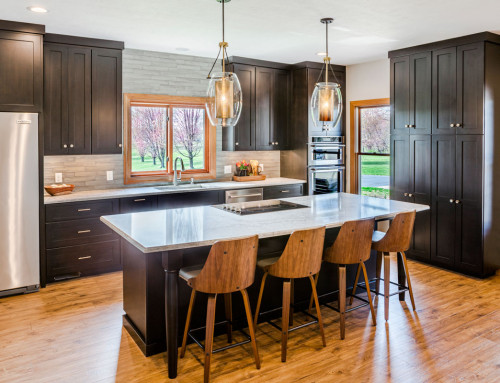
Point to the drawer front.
(180, 200)
(77, 210)
(283, 191)
(138, 204)
(92, 258)
(69, 233)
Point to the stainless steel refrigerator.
(19, 203)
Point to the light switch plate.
(109, 175)
(261, 167)
(58, 177)
(228, 169)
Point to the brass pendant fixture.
(326, 100)
(224, 96)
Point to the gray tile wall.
(152, 73)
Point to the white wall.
(365, 81)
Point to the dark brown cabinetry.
(452, 167)
(264, 121)
(82, 96)
(21, 62)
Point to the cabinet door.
(21, 72)
(421, 93)
(400, 95)
(421, 189)
(400, 168)
(264, 113)
(79, 100)
(443, 199)
(106, 101)
(55, 94)
(444, 91)
(470, 89)
(469, 181)
(244, 131)
(281, 112)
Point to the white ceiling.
(278, 30)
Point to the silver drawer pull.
(285, 191)
(87, 257)
(139, 199)
(84, 209)
(246, 195)
(83, 231)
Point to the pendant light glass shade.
(224, 99)
(326, 105)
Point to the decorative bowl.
(59, 189)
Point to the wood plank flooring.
(72, 332)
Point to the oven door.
(326, 180)
(326, 154)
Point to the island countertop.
(166, 230)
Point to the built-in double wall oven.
(326, 164)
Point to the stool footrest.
(402, 288)
(220, 348)
(315, 320)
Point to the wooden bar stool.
(300, 259)
(230, 267)
(396, 240)
(352, 246)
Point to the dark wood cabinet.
(400, 95)
(283, 191)
(282, 103)
(264, 110)
(453, 169)
(400, 168)
(67, 99)
(82, 96)
(106, 101)
(21, 69)
(190, 199)
(138, 204)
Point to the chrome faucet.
(180, 171)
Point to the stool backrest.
(353, 243)
(398, 236)
(302, 254)
(230, 266)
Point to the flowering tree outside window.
(189, 135)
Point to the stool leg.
(259, 301)
(312, 296)
(378, 271)
(342, 294)
(403, 255)
(318, 311)
(356, 285)
(292, 300)
(369, 294)
(229, 316)
(188, 322)
(284, 318)
(248, 312)
(387, 278)
(401, 275)
(209, 334)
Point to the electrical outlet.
(109, 175)
(261, 166)
(228, 169)
(58, 178)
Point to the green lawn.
(375, 165)
(375, 192)
(147, 165)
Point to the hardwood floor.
(72, 332)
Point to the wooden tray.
(261, 177)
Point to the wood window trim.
(150, 177)
(353, 158)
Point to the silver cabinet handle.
(458, 125)
(405, 194)
(452, 200)
(285, 191)
(119, 145)
(410, 195)
(236, 143)
(88, 209)
(87, 257)
(139, 199)
(65, 146)
(71, 145)
(452, 125)
(407, 126)
(83, 231)
(276, 142)
(246, 195)
(457, 201)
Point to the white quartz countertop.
(174, 229)
(151, 190)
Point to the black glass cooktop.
(258, 207)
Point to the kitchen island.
(158, 243)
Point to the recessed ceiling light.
(321, 53)
(37, 9)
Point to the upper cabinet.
(21, 76)
(82, 95)
(265, 116)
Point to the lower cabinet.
(190, 199)
(283, 191)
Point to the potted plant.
(242, 168)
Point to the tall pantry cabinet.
(445, 106)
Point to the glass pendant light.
(326, 100)
(224, 96)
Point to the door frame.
(353, 134)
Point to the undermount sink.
(180, 187)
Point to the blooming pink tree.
(149, 132)
(189, 125)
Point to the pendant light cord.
(327, 64)
(222, 47)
